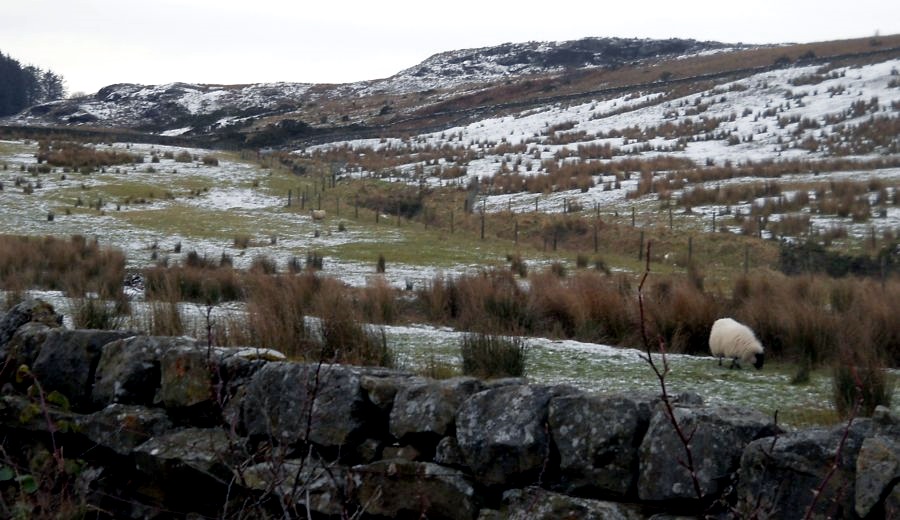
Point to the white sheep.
(318, 214)
(728, 338)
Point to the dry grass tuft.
(490, 356)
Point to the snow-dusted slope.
(178, 108)
(763, 112)
(164, 107)
(510, 60)
(802, 113)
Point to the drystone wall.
(163, 427)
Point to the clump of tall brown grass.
(75, 155)
(341, 335)
(860, 381)
(276, 313)
(77, 265)
(491, 356)
(203, 282)
(378, 302)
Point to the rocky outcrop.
(150, 427)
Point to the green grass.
(767, 390)
(192, 222)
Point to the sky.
(94, 43)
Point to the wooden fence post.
(641, 248)
(482, 220)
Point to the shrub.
(554, 305)
(210, 160)
(378, 302)
(867, 384)
(682, 314)
(314, 260)
(263, 264)
(183, 157)
(242, 241)
(491, 301)
(94, 313)
(489, 356)
(342, 338)
(276, 313)
(435, 368)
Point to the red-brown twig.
(817, 493)
(661, 374)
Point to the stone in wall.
(28, 310)
(503, 432)
(121, 428)
(400, 488)
(534, 503)
(24, 346)
(382, 389)
(429, 408)
(311, 483)
(719, 435)
(293, 403)
(877, 470)
(67, 361)
(191, 467)
(779, 476)
(129, 369)
(598, 438)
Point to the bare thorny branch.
(661, 373)
(817, 493)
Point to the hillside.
(446, 89)
(181, 108)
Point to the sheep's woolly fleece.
(729, 338)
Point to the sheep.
(318, 214)
(728, 338)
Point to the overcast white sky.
(94, 43)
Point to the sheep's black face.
(760, 359)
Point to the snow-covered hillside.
(164, 107)
(511, 60)
(180, 108)
(809, 113)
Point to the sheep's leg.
(734, 364)
(720, 360)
